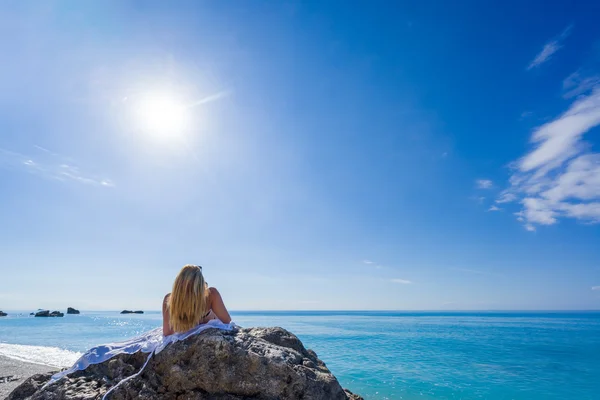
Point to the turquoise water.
(382, 355)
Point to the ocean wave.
(51, 356)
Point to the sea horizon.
(27, 312)
(542, 354)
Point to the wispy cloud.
(506, 197)
(372, 264)
(560, 176)
(478, 199)
(494, 208)
(595, 287)
(401, 281)
(549, 49)
(210, 98)
(579, 83)
(526, 114)
(484, 183)
(50, 165)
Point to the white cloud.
(549, 49)
(558, 140)
(51, 166)
(484, 183)
(401, 281)
(368, 262)
(595, 287)
(560, 176)
(494, 208)
(530, 227)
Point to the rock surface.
(131, 312)
(257, 363)
(71, 310)
(46, 313)
(3, 314)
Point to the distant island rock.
(131, 312)
(243, 364)
(71, 310)
(46, 313)
(3, 314)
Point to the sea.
(379, 355)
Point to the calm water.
(382, 355)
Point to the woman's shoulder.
(212, 291)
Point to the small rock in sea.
(3, 314)
(256, 363)
(131, 312)
(71, 310)
(31, 313)
(42, 313)
(46, 313)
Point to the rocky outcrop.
(245, 364)
(3, 314)
(71, 310)
(46, 313)
(131, 312)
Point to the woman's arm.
(217, 305)
(165, 313)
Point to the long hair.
(188, 302)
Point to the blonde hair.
(188, 302)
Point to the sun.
(161, 114)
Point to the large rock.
(71, 310)
(3, 314)
(131, 312)
(257, 363)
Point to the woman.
(191, 302)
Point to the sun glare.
(161, 114)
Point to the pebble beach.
(14, 372)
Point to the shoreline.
(18, 370)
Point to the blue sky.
(334, 156)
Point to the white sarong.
(152, 342)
